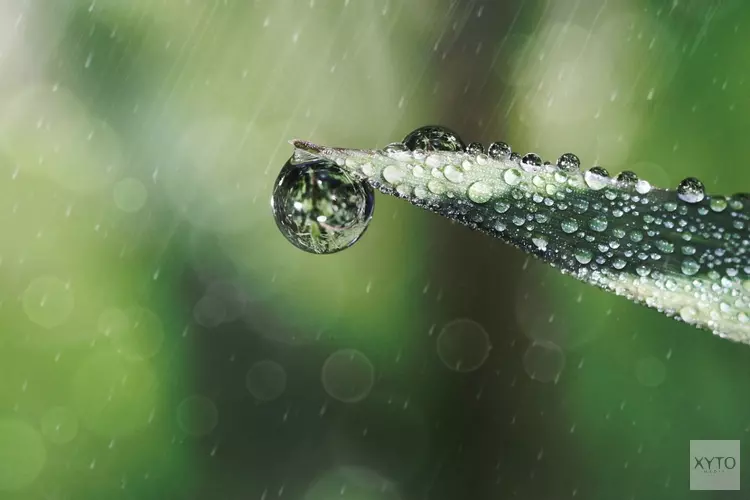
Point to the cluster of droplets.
(680, 251)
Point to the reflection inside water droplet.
(319, 208)
(691, 190)
(434, 138)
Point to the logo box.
(714, 465)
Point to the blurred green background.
(160, 339)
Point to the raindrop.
(596, 178)
(499, 150)
(475, 148)
(319, 208)
(691, 190)
(393, 174)
(568, 162)
(434, 138)
(396, 147)
(718, 204)
(531, 161)
(569, 226)
(598, 224)
(501, 207)
(452, 173)
(664, 246)
(627, 178)
(512, 176)
(642, 186)
(690, 267)
(583, 256)
(479, 192)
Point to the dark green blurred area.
(160, 339)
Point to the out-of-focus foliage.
(160, 339)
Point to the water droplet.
(499, 150)
(568, 162)
(319, 208)
(596, 178)
(598, 224)
(396, 147)
(664, 246)
(515, 157)
(512, 176)
(642, 186)
(531, 161)
(569, 226)
(436, 187)
(501, 207)
(627, 178)
(479, 192)
(453, 173)
(690, 267)
(434, 138)
(691, 190)
(583, 256)
(393, 174)
(475, 148)
(718, 204)
(540, 242)
(688, 314)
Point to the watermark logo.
(714, 465)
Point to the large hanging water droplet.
(691, 190)
(319, 208)
(568, 162)
(434, 138)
